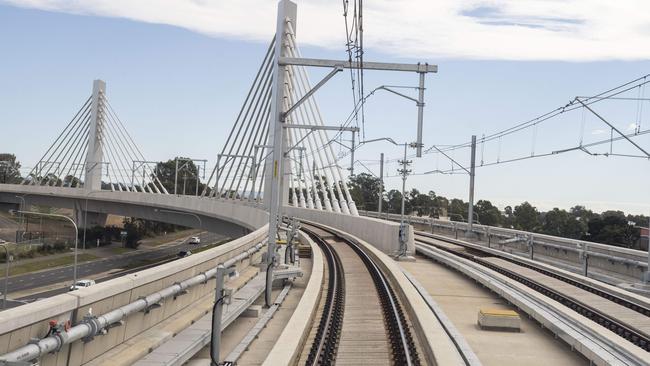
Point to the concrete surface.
(461, 298)
(266, 340)
(382, 234)
(304, 317)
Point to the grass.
(201, 249)
(49, 263)
(121, 250)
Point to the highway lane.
(64, 274)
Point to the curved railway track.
(629, 328)
(330, 335)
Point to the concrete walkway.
(461, 299)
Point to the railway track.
(627, 319)
(361, 316)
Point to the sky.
(177, 73)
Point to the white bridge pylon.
(95, 151)
(312, 177)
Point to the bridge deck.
(461, 299)
(625, 315)
(363, 339)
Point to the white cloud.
(597, 132)
(572, 30)
(631, 127)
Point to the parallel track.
(327, 340)
(627, 332)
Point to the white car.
(195, 240)
(82, 284)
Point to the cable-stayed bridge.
(308, 278)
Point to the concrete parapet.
(20, 324)
(290, 343)
(382, 234)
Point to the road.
(64, 274)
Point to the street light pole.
(22, 207)
(76, 236)
(4, 294)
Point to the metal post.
(198, 169)
(646, 278)
(585, 261)
(404, 173)
(217, 313)
(381, 183)
(531, 244)
(4, 301)
(22, 208)
(470, 214)
(176, 175)
(403, 227)
(352, 156)
(420, 105)
(216, 183)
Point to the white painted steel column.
(275, 195)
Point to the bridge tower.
(277, 167)
(94, 156)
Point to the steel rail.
(401, 341)
(323, 350)
(594, 290)
(582, 337)
(629, 333)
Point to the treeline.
(136, 229)
(609, 227)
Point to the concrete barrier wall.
(19, 325)
(382, 234)
(628, 263)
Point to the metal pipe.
(92, 326)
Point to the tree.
(421, 203)
(188, 173)
(134, 233)
(525, 217)
(9, 169)
(457, 210)
(562, 223)
(394, 198)
(364, 189)
(638, 220)
(487, 213)
(612, 227)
